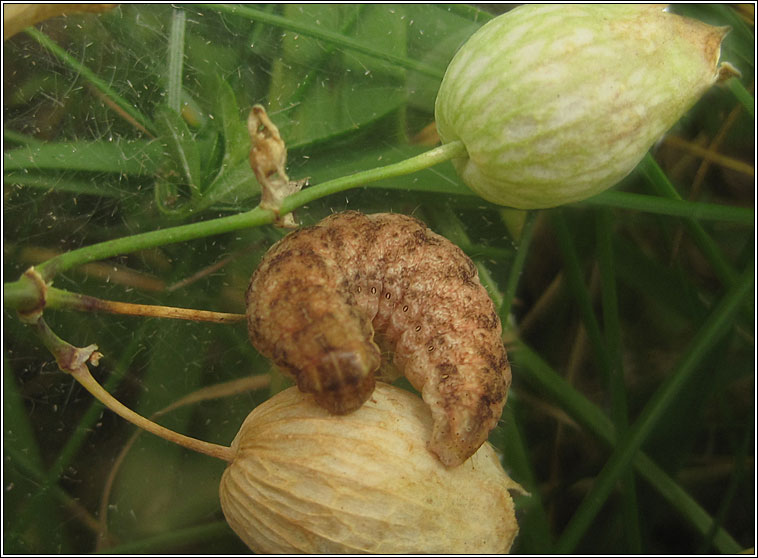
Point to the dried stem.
(709, 154)
(74, 361)
(83, 376)
(57, 298)
(226, 389)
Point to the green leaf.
(232, 189)
(318, 94)
(234, 182)
(435, 33)
(174, 345)
(20, 491)
(236, 138)
(179, 144)
(137, 157)
(61, 183)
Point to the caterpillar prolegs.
(329, 300)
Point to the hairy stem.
(452, 150)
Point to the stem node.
(31, 296)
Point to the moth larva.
(328, 300)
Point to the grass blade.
(514, 274)
(674, 207)
(124, 157)
(328, 36)
(535, 371)
(90, 76)
(176, 60)
(714, 329)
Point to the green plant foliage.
(629, 317)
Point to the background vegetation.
(629, 318)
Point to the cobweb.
(87, 161)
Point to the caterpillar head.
(341, 379)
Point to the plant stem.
(743, 96)
(253, 218)
(655, 176)
(84, 377)
(675, 207)
(517, 268)
(19, 295)
(25, 295)
(74, 360)
(452, 150)
(533, 370)
(58, 298)
(125, 245)
(537, 372)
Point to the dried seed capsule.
(305, 481)
(556, 103)
(321, 294)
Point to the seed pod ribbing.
(306, 481)
(556, 103)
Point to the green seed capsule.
(556, 103)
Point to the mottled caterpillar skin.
(328, 300)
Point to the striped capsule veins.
(558, 102)
(329, 300)
(306, 482)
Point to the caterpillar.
(328, 301)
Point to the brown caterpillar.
(327, 300)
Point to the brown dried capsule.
(304, 481)
(327, 300)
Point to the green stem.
(24, 295)
(452, 150)
(663, 187)
(21, 139)
(532, 369)
(17, 295)
(604, 231)
(535, 525)
(89, 75)
(110, 248)
(579, 290)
